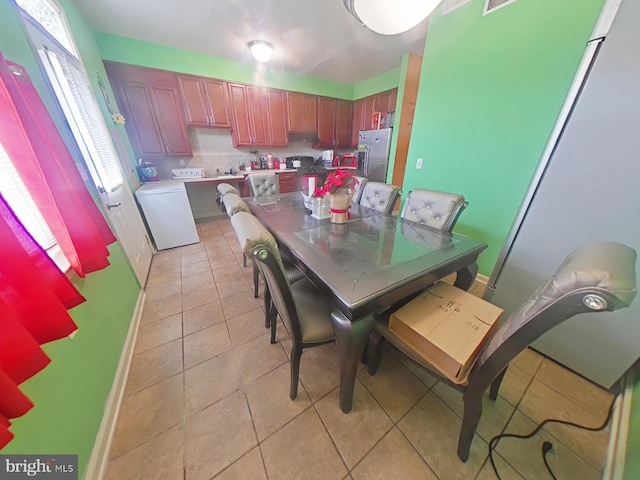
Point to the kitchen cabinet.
(205, 101)
(150, 101)
(288, 182)
(251, 110)
(363, 109)
(334, 123)
(385, 101)
(302, 113)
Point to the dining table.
(366, 266)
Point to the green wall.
(128, 50)
(491, 88)
(632, 463)
(385, 81)
(70, 394)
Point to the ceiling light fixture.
(261, 50)
(390, 17)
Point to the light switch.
(419, 164)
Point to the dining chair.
(250, 232)
(263, 184)
(439, 210)
(233, 204)
(357, 191)
(380, 196)
(223, 189)
(595, 277)
(304, 310)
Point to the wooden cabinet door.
(277, 118)
(309, 119)
(194, 101)
(258, 109)
(136, 104)
(288, 182)
(241, 132)
(218, 103)
(326, 122)
(171, 119)
(301, 112)
(368, 107)
(343, 124)
(393, 98)
(356, 122)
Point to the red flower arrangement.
(338, 180)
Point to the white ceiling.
(312, 37)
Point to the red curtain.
(34, 298)
(49, 172)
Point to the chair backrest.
(263, 184)
(380, 196)
(594, 277)
(357, 191)
(251, 233)
(234, 204)
(436, 209)
(224, 188)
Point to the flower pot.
(340, 203)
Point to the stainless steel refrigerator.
(585, 189)
(373, 154)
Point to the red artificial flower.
(335, 181)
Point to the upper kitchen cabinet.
(334, 123)
(251, 112)
(363, 109)
(150, 101)
(205, 101)
(386, 101)
(302, 113)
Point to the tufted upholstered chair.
(234, 204)
(439, 210)
(380, 196)
(251, 232)
(223, 189)
(594, 277)
(357, 191)
(263, 184)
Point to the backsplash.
(213, 150)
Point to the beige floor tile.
(433, 429)
(514, 384)
(162, 331)
(220, 261)
(505, 471)
(393, 457)
(211, 381)
(161, 309)
(319, 370)
(526, 457)
(200, 296)
(395, 387)
(310, 454)
(160, 457)
(201, 317)
(423, 375)
(249, 467)
(196, 268)
(205, 344)
(190, 249)
(356, 432)
(234, 286)
(591, 397)
(528, 360)
(155, 365)
(197, 281)
(239, 303)
(163, 274)
(226, 273)
(217, 437)
(246, 326)
(148, 413)
(158, 291)
(258, 357)
(271, 406)
(194, 257)
(495, 414)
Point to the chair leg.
(470, 421)
(296, 353)
(374, 352)
(267, 308)
(256, 280)
(273, 320)
(244, 261)
(495, 385)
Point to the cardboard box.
(446, 325)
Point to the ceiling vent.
(449, 6)
(491, 6)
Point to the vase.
(340, 202)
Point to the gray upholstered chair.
(357, 191)
(250, 232)
(263, 184)
(304, 310)
(233, 204)
(223, 189)
(380, 196)
(439, 210)
(595, 277)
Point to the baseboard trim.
(617, 451)
(99, 459)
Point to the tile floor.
(208, 397)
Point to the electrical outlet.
(182, 162)
(419, 164)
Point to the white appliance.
(166, 208)
(585, 190)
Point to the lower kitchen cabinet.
(288, 182)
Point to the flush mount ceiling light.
(261, 50)
(390, 17)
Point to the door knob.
(113, 205)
